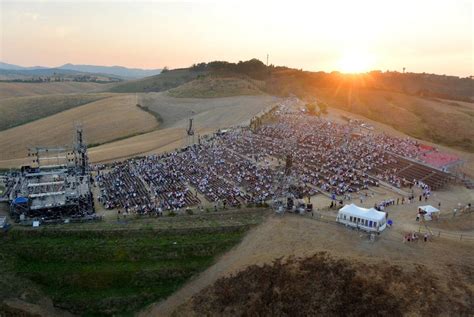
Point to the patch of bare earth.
(287, 236)
(321, 285)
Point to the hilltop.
(164, 81)
(218, 86)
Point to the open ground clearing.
(209, 115)
(103, 121)
(292, 235)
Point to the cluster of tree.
(253, 68)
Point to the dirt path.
(302, 236)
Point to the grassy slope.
(107, 273)
(217, 86)
(161, 82)
(18, 111)
(97, 269)
(436, 120)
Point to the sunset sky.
(421, 35)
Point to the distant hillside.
(113, 70)
(54, 74)
(164, 81)
(12, 72)
(217, 86)
(17, 67)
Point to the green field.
(18, 111)
(105, 269)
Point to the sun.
(356, 62)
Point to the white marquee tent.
(363, 218)
(429, 211)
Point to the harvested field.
(127, 120)
(18, 111)
(209, 115)
(104, 120)
(12, 89)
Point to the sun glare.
(355, 62)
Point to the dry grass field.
(21, 110)
(103, 121)
(13, 89)
(209, 115)
(211, 87)
(300, 236)
(118, 117)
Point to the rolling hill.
(164, 81)
(17, 89)
(120, 71)
(415, 104)
(217, 86)
(103, 120)
(15, 71)
(18, 111)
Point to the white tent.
(363, 218)
(428, 211)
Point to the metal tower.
(80, 151)
(190, 136)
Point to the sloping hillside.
(217, 86)
(17, 89)
(103, 120)
(18, 111)
(439, 121)
(164, 81)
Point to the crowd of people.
(292, 154)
